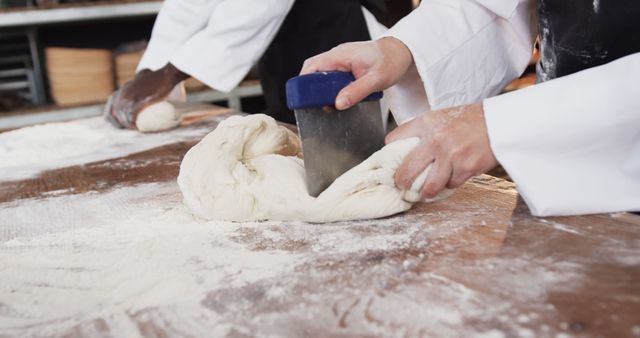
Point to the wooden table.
(476, 264)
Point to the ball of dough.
(158, 117)
(247, 170)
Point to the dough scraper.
(332, 141)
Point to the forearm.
(173, 74)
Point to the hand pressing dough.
(158, 117)
(248, 169)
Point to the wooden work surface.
(476, 264)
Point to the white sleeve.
(463, 50)
(572, 145)
(234, 36)
(375, 28)
(177, 22)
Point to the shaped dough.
(247, 169)
(158, 117)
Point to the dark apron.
(580, 34)
(310, 28)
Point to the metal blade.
(334, 142)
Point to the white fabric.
(214, 41)
(463, 52)
(176, 23)
(217, 41)
(377, 30)
(572, 145)
(247, 170)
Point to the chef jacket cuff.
(215, 67)
(449, 43)
(569, 143)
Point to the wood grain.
(481, 247)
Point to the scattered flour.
(28, 151)
(560, 226)
(148, 254)
(491, 334)
(115, 263)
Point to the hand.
(376, 65)
(147, 88)
(453, 141)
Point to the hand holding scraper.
(333, 141)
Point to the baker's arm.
(572, 145)
(463, 51)
(214, 41)
(176, 23)
(236, 34)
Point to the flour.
(152, 255)
(546, 67)
(134, 262)
(28, 151)
(560, 226)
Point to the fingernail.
(342, 102)
(428, 193)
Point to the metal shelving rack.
(46, 16)
(20, 66)
(29, 78)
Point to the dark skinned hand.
(147, 88)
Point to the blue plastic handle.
(319, 89)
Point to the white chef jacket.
(214, 41)
(218, 41)
(571, 145)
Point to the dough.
(249, 169)
(158, 117)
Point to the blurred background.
(61, 59)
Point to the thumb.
(108, 111)
(405, 130)
(357, 91)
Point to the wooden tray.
(79, 76)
